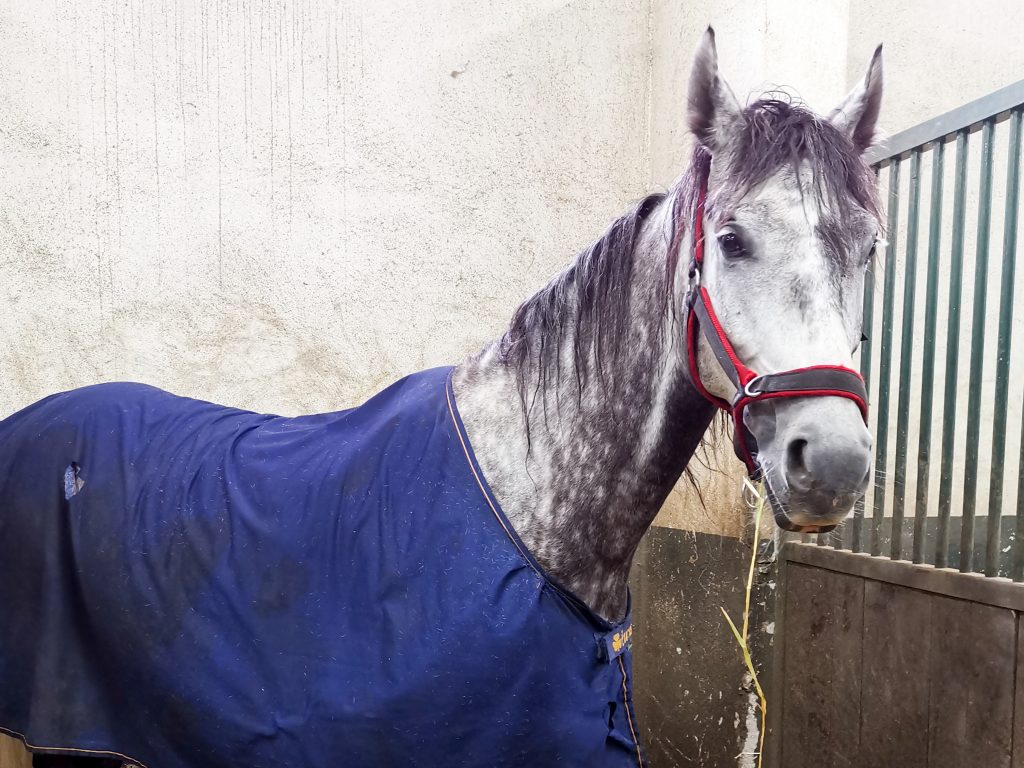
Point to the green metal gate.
(879, 661)
(946, 377)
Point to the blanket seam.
(629, 717)
(91, 752)
(483, 491)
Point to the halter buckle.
(750, 391)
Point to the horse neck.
(581, 460)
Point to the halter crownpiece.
(811, 381)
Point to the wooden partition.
(13, 754)
(888, 664)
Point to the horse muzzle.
(819, 468)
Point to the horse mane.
(590, 298)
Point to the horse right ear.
(857, 116)
(712, 108)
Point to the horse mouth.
(786, 523)
(782, 520)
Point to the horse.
(439, 576)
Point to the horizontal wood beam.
(975, 587)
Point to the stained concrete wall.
(284, 206)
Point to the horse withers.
(439, 576)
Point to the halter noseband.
(812, 381)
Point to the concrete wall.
(284, 206)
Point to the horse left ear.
(857, 116)
(712, 109)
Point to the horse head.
(784, 218)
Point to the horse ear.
(857, 116)
(712, 108)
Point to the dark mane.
(590, 299)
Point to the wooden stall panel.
(926, 676)
(821, 707)
(972, 675)
(894, 703)
(13, 754)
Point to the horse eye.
(731, 244)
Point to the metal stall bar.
(995, 495)
(977, 349)
(981, 115)
(885, 362)
(857, 529)
(906, 358)
(924, 441)
(956, 260)
(867, 323)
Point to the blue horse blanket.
(185, 585)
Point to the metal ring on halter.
(748, 388)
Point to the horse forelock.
(775, 136)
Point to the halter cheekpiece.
(812, 381)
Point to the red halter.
(812, 381)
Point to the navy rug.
(186, 585)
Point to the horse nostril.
(796, 465)
(827, 465)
